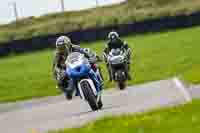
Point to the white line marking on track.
(183, 90)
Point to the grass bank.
(181, 119)
(129, 12)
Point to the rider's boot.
(66, 89)
(101, 79)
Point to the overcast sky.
(27, 8)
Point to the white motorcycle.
(117, 66)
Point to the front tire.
(121, 85)
(89, 95)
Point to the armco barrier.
(153, 25)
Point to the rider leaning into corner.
(115, 42)
(64, 47)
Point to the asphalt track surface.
(52, 113)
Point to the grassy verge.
(155, 57)
(192, 75)
(129, 12)
(183, 119)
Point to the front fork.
(112, 72)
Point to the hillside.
(128, 12)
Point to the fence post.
(97, 3)
(62, 5)
(15, 11)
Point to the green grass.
(181, 119)
(155, 57)
(129, 12)
(192, 75)
(26, 76)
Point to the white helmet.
(63, 43)
(113, 35)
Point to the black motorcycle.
(118, 66)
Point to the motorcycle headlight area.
(92, 59)
(117, 60)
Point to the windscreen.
(76, 59)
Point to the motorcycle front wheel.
(89, 95)
(121, 85)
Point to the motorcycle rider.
(114, 43)
(64, 47)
